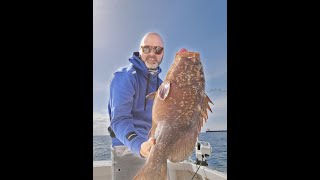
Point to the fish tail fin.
(147, 173)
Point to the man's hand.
(146, 146)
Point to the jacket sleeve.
(122, 93)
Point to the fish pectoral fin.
(164, 90)
(151, 96)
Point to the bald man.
(129, 110)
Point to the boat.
(176, 171)
(187, 169)
(208, 130)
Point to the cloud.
(220, 104)
(101, 123)
(217, 120)
(215, 70)
(99, 86)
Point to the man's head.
(151, 50)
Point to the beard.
(152, 64)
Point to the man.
(129, 110)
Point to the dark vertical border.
(239, 149)
(256, 124)
(48, 131)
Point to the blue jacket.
(129, 111)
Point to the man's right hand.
(146, 146)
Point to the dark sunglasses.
(156, 49)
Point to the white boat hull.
(176, 171)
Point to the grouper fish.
(178, 114)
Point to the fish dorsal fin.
(151, 96)
(203, 111)
(164, 90)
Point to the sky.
(197, 25)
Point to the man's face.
(151, 51)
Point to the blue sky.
(197, 25)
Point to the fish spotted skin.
(179, 111)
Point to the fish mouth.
(193, 56)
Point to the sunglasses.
(156, 49)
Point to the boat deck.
(176, 171)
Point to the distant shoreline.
(216, 131)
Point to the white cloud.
(220, 104)
(217, 120)
(99, 86)
(214, 69)
(101, 123)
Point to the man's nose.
(152, 53)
